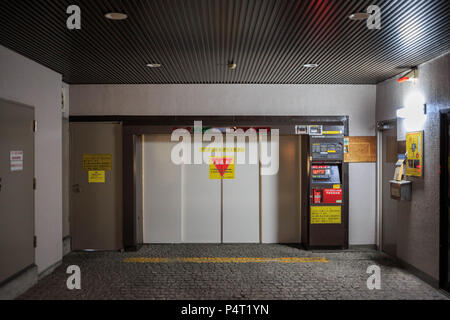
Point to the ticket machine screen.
(321, 172)
(325, 174)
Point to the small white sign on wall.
(16, 160)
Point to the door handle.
(76, 188)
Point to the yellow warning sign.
(414, 149)
(221, 168)
(96, 176)
(326, 215)
(332, 132)
(93, 162)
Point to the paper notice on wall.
(326, 215)
(96, 176)
(414, 149)
(16, 160)
(94, 162)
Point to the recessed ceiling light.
(359, 16)
(311, 65)
(232, 65)
(116, 16)
(154, 65)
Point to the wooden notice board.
(360, 149)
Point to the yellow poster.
(326, 215)
(96, 176)
(221, 168)
(93, 162)
(414, 149)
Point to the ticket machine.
(326, 218)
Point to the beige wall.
(356, 101)
(27, 82)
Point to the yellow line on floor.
(227, 260)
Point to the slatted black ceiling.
(269, 40)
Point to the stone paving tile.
(105, 276)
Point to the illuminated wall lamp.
(414, 112)
(408, 113)
(414, 106)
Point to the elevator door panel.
(241, 218)
(162, 191)
(201, 205)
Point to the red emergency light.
(409, 77)
(403, 79)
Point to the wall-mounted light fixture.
(410, 76)
(414, 111)
(414, 105)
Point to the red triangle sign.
(222, 164)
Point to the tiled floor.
(169, 272)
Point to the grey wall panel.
(418, 220)
(362, 219)
(280, 196)
(65, 178)
(358, 101)
(139, 185)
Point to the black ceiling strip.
(360, 53)
(312, 53)
(282, 36)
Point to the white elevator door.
(201, 205)
(162, 192)
(182, 205)
(241, 201)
